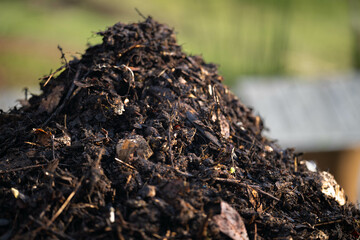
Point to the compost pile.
(137, 140)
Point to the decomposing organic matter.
(138, 140)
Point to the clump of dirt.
(137, 140)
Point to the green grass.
(72, 27)
(23, 66)
(264, 37)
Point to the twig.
(327, 223)
(126, 164)
(170, 145)
(61, 209)
(130, 48)
(100, 155)
(22, 168)
(52, 74)
(53, 145)
(26, 91)
(131, 72)
(238, 182)
(63, 55)
(173, 115)
(132, 80)
(141, 15)
(185, 174)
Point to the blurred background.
(294, 61)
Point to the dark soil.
(137, 140)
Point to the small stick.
(129, 69)
(132, 80)
(126, 164)
(63, 55)
(141, 15)
(327, 223)
(53, 145)
(129, 49)
(61, 209)
(170, 145)
(98, 160)
(22, 168)
(185, 174)
(34, 144)
(170, 128)
(246, 185)
(52, 74)
(26, 91)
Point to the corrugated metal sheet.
(312, 114)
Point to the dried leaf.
(254, 198)
(49, 103)
(192, 116)
(224, 127)
(212, 138)
(42, 137)
(231, 223)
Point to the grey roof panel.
(312, 114)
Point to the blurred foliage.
(355, 26)
(263, 37)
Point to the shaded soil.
(137, 140)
